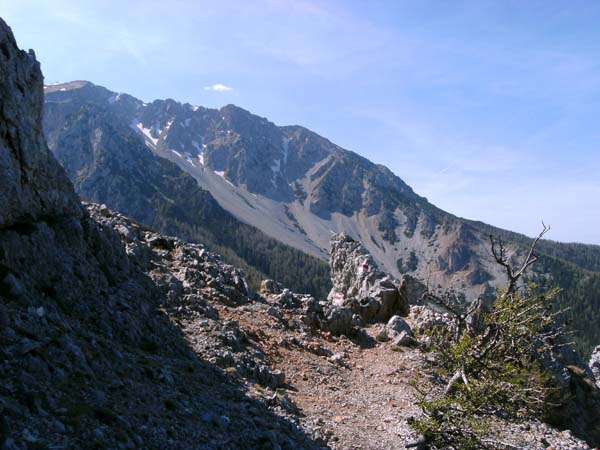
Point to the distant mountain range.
(109, 162)
(220, 176)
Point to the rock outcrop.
(595, 364)
(32, 185)
(360, 287)
(361, 292)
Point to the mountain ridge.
(77, 84)
(70, 86)
(158, 194)
(298, 188)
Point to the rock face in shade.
(32, 184)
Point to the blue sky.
(489, 109)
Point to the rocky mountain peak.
(85, 91)
(69, 86)
(298, 187)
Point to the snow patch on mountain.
(188, 158)
(115, 98)
(222, 175)
(147, 132)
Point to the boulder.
(276, 294)
(339, 320)
(403, 339)
(397, 325)
(288, 300)
(268, 377)
(270, 287)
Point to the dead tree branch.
(500, 253)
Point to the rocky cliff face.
(33, 184)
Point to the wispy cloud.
(317, 38)
(218, 87)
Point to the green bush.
(490, 363)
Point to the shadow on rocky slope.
(89, 357)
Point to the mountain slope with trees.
(297, 188)
(109, 164)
